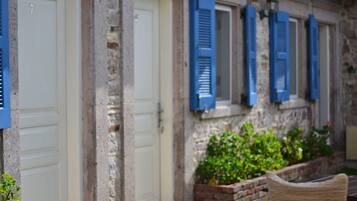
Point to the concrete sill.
(297, 103)
(223, 111)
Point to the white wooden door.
(42, 99)
(146, 53)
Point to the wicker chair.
(334, 189)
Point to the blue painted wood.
(202, 55)
(313, 58)
(279, 57)
(5, 107)
(251, 52)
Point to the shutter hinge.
(160, 111)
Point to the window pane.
(223, 55)
(293, 58)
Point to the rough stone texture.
(114, 113)
(255, 189)
(264, 115)
(88, 102)
(348, 63)
(101, 29)
(191, 133)
(102, 141)
(11, 137)
(179, 69)
(108, 99)
(114, 100)
(121, 100)
(107, 34)
(108, 106)
(113, 80)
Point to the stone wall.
(103, 67)
(191, 130)
(120, 99)
(264, 115)
(10, 138)
(349, 62)
(112, 138)
(114, 98)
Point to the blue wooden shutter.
(279, 57)
(313, 58)
(251, 66)
(202, 55)
(5, 120)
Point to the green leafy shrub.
(315, 143)
(233, 157)
(9, 190)
(292, 146)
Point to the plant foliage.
(9, 190)
(292, 146)
(232, 157)
(315, 143)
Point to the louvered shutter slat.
(202, 55)
(313, 58)
(251, 68)
(5, 119)
(279, 57)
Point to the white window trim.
(296, 22)
(229, 10)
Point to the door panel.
(43, 182)
(42, 99)
(147, 168)
(37, 28)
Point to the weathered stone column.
(126, 82)
(348, 74)
(11, 137)
(108, 100)
(121, 100)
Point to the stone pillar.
(126, 74)
(348, 62)
(108, 100)
(11, 137)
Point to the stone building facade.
(107, 94)
(348, 71)
(299, 113)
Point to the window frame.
(236, 107)
(297, 58)
(229, 9)
(299, 100)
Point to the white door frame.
(73, 73)
(74, 94)
(324, 73)
(166, 95)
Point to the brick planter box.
(253, 190)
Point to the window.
(217, 78)
(224, 54)
(294, 58)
